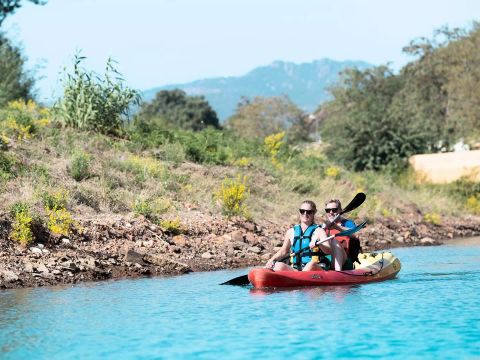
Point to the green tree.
(179, 110)
(15, 82)
(361, 131)
(8, 7)
(263, 116)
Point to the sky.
(160, 42)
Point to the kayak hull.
(373, 267)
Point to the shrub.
(21, 120)
(91, 102)
(55, 201)
(332, 172)
(142, 207)
(60, 221)
(232, 196)
(433, 218)
(173, 227)
(473, 204)
(80, 166)
(22, 223)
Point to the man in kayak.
(301, 237)
(333, 208)
(336, 223)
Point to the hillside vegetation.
(82, 159)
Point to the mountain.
(306, 84)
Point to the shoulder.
(348, 223)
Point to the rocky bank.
(116, 247)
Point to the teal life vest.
(301, 240)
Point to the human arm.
(283, 251)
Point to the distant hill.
(306, 84)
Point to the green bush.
(80, 166)
(93, 103)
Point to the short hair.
(311, 203)
(336, 201)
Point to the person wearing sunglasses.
(305, 236)
(333, 208)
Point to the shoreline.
(122, 247)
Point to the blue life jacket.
(300, 241)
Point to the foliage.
(433, 218)
(173, 227)
(209, 146)
(15, 81)
(7, 166)
(91, 102)
(273, 143)
(60, 221)
(22, 223)
(54, 200)
(80, 166)
(473, 204)
(378, 119)
(178, 110)
(333, 172)
(8, 7)
(142, 207)
(232, 196)
(261, 117)
(22, 119)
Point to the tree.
(8, 7)
(360, 129)
(264, 116)
(15, 82)
(179, 110)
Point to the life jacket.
(351, 244)
(301, 240)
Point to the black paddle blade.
(239, 281)
(356, 202)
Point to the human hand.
(270, 264)
(312, 244)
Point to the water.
(432, 310)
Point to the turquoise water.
(432, 310)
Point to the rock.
(266, 256)
(134, 257)
(207, 255)
(166, 263)
(254, 249)
(66, 242)
(41, 246)
(250, 226)
(70, 266)
(28, 267)
(41, 268)
(148, 243)
(237, 236)
(36, 250)
(240, 245)
(180, 240)
(88, 262)
(399, 239)
(251, 239)
(56, 272)
(8, 275)
(427, 241)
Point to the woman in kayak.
(310, 238)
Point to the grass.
(159, 183)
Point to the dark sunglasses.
(333, 210)
(304, 211)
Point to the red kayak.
(373, 267)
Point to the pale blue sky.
(159, 42)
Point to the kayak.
(373, 267)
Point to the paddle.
(356, 202)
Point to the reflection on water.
(430, 310)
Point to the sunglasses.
(305, 211)
(333, 210)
